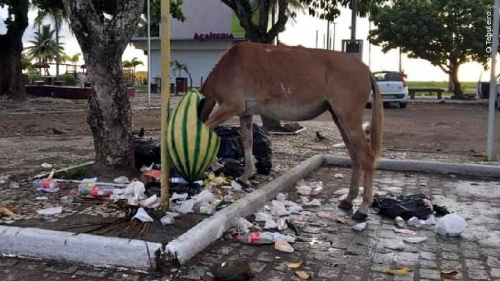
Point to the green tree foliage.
(44, 47)
(447, 33)
(155, 9)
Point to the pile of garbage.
(418, 211)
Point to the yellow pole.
(165, 99)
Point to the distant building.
(209, 30)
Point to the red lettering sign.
(213, 36)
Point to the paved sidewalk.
(334, 251)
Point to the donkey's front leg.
(247, 141)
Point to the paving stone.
(450, 255)
(328, 272)
(495, 272)
(430, 274)
(258, 266)
(86, 273)
(477, 274)
(474, 263)
(428, 264)
(265, 257)
(427, 255)
(5, 262)
(451, 264)
(493, 262)
(470, 253)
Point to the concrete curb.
(111, 251)
(82, 248)
(200, 236)
(468, 170)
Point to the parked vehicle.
(393, 87)
(483, 91)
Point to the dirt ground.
(54, 131)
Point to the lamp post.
(165, 100)
(149, 53)
(493, 85)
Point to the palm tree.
(134, 63)
(44, 48)
(58, 17)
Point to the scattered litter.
(293, 227)
(145, 168)
(414, 239)
(262, 216)
(359, 226)
(7, 212)
(302, 274)
(341, 220)
(281, 197)
(185, 208)
(150, 202)
(314, 202)
(41, 198)
(394, 245)
(295, 209)
(232, 271)
(405, 206)
(294, 265)
(283, 246)
(66, 200)
(338, 176)
(122, 180)
(414, 221)
(400, 222)
(451, 225)
(327, 215)
(13, 185)
(142, 215)
(242, 225)
(135, 188)
(4, 179)
(263, 238)
(46, 166)
(204, 196)
(204, 209)
(401, 271)
(177, 196)
(270, 224)
(167, 219)
(50, 211)
(282, 225)
(339, 145)
(304, 190)
(278, 209)
(236, 186)
(449, 274)
(404, 231)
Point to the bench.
(439, 91)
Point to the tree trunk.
(57, 54)
(457, 87)
(103, 44)
(109, 114)
(11, 47)
(450, 84)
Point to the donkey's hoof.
(358, 216)
(344, 205)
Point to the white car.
(393, 87)
(483, 92)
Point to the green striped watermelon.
(190, 144)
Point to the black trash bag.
(146, 151)
(405, 206)
(232, 167)
(231, 147)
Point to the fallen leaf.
(302, 274)
(294, 265)
(401, 271)
(449, 274)
(5, 211)
(283, 246)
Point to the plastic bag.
(231, 148)
(451, 225)
(405, 206)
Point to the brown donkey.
(296, 84)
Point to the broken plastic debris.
(400, 222)
(148, 203)
(145, 168)
(304, 190)
(451, 225)
(136, 188)
(359, 226)
(40, 198)
(404, 231)
(167, 219)
(282, 225)
(283, 246)
(182, 196)
(270, 223)
(302, 274)
(281, 197)
(186, 207)
(142, 215)
(50, 211)
(338, 176)
(46, 166)
(204, 196)
(339, 145)
(122, 180)
(66, 200)
(261, 216)
(314, 202)
(295, 209)
(414, 221)
(236, 186)
(278, 209)
(4, 179)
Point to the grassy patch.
(468, 87)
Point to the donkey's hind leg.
(247, 141)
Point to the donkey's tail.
(376, 122)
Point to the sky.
(302, 31)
